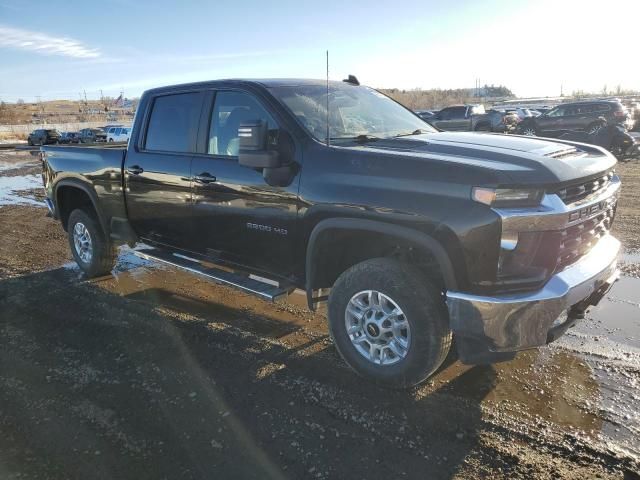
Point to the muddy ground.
(152, 373)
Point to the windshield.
(354, 112)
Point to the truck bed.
(94, 168)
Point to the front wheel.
(389, 323)
(594, 128)
(92, 251)
(529, 130)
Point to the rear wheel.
(389, 323)
(529, 130)
(92, 251)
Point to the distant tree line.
(437, 98)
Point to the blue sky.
(58, 48)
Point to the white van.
(118, 134)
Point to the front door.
(451, 119)
(158, 171)
(552, 124)
(237, 216)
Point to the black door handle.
(204, 178)
(135, 170)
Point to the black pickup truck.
(413, 236)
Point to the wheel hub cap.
(377, 327)
(82, 242)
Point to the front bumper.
(488, 327)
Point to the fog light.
(509, 240)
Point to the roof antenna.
(328, 139)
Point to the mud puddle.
(586, 384)
(21, 190)
(20, 179)
(16, 162)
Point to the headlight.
(507, 197)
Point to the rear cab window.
(456, 113)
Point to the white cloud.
(44, 44)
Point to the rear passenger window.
(173, 125)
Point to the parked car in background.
(582, 116)
(43, 136)
(106, 128)
(92, 135)
(118, 134)
(473, 118)
(522, 113)
(425, 114)
(69, 137)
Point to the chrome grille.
(578, 239)
(578, 191)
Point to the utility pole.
(40, 109)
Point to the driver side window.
(229, 111)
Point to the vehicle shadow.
(430, 431)
(161, 383)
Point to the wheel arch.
(330, 231)
(70, 193)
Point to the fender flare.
(404, 233)
(91, 193)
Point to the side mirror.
(253, 152)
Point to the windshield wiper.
(365, 138)
(415, 132)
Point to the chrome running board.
(243, 283)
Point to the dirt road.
(152, 373)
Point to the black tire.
(103, 253)
(422, 305)
(483, 127)
(30, 142)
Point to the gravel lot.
(152, 373)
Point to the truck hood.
(521, 160)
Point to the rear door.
(576, 117)
(158, 170)
(237, 216)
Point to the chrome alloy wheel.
(529, 131)
(377, 327)
(595, 129)
(82, 242)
